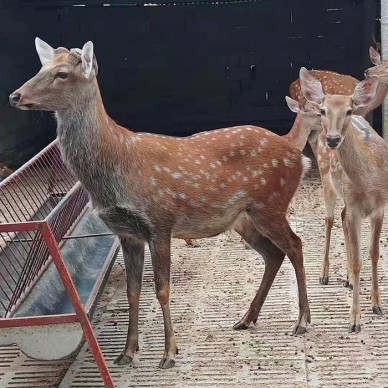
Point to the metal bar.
(71, 237)
(384, 55)
(30, 162)
(40, 320)
(63, 202)
(20, 226)
(77, 305)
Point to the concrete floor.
(212, 287)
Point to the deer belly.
(202, 226)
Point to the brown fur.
(150, 188)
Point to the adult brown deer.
(329, 167)
(150, 188)
(363, 155)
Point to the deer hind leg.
(273, 258)
(330, 197)
(353, 225)
(161, 262)
(133, 250)
(281, 234)
(374, 250)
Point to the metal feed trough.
(55, 257)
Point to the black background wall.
(184, 68)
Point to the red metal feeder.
(55, 257)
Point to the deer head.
(380, 69)
(63, 80)
(336, 110)
(309, 112)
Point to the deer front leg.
(349, 270)
(273, 258)
(133, 251)
(374, 250)
(353, 225)
(330, 197)
(161, 262)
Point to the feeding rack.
(55, 258)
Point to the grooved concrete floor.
(212, 287)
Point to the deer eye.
(322, 112)
(349, 112)
(62, 75)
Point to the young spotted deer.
(363, 156)
(305, 122)
(149, 188)
(328, 164)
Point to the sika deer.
(329, 167)
(305, 122)
(150, 188)
(363, 155)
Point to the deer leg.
(191, 242)
(273, 258)
(161, 262)
(374, 251)
(349, 271)
(330, 197)
(281, 234)
(133, 250)
(353, 225)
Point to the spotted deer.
(328, 164)
(363, 156)
(149, 188)
(305, 122)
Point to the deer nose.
(366, 72)
(333, 141)
(14, 98)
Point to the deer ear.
(310, 86)
(44, 50)
(374, 56)
(365, 91)
(87, 59)
(292, 104)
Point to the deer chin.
(28, 106)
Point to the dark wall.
(180, 69)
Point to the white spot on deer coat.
(263, 181)
(176, 175)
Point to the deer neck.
(353, 159)
(298, 134)
(92, 146)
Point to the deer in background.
(305, 122)
(4, 171)
(150, 188)
(339, 84)
(363, 156)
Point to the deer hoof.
(166, 363)
(377, 310)
(299, 330)
(348, 285)
(240, 326)
(324, 280)
(354, 328)
(123, 359)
